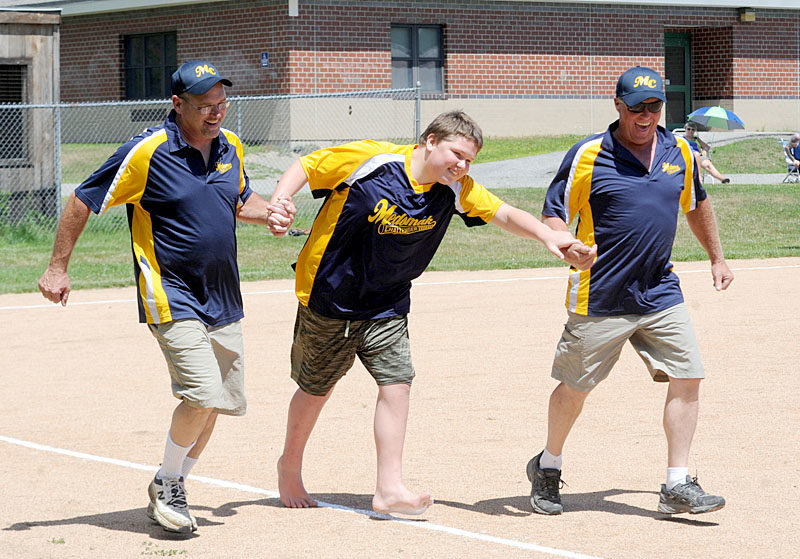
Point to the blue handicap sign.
(265, 60)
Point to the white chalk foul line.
(421, 283)
(274, 494)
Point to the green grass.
(499, 149)
(78, 161)
(761, 155)
(757, 156)
(756, 221)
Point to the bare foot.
(290, 487)
(404, 502)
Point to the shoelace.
(689, 490)
(552, 485)
(177, 493)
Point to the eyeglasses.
(206, 110)
(653, 107)
(691, 129)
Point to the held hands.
(280, 216)
(580, 256)
(571, 250)
(55, 286)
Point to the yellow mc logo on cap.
(206, 69)
(644, 80)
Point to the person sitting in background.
(792, 150)
(701, 149)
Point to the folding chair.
(792, 172)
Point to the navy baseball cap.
(196, 77)
(638, 84)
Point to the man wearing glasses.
(625, 186)
(184, 186)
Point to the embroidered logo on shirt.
(391, 223)
(223, 168)
(669, 169)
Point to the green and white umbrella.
(716, 117)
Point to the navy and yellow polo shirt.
(630, 213)
(377, 230)
(182, 218)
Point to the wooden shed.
(29, 77)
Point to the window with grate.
(418, 56)
(13, 121)
(150, 60)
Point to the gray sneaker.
(545, 484)
(168, 505)
(688, 497)
(151, 514)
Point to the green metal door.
(677, 78)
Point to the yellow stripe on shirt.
(151, 289)
(576, 193)
(321, 232)
(131, 178)
(688, 196)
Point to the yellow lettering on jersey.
(670, 169)
(644, 80)
(204, 69)
(223, 168)
(390, 223)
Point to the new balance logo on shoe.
(168, 505)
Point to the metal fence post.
(59, 203)
(418, 111)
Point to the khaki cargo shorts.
(590, 346)
(324, 349)
(206, 363)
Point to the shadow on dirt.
(600, 501)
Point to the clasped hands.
(280, 216)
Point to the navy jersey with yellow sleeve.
(377, 230)
(630, 213)
(181, 215)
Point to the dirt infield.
(86, 405)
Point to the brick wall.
(513, 49)
(232, 35)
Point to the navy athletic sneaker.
(688, 497)
(545, 485)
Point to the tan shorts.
(324, 349)
(590, 346)
(206, 363)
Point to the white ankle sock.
(676, 476)
(548, 461)
(188, 464)
(174, 455)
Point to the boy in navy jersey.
(385, 213)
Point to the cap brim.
(204, 85)
(638, 96)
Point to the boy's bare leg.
(391, 417)
(304, 409)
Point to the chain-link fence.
(48, 150)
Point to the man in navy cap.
(624, 187)
(184, 186)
